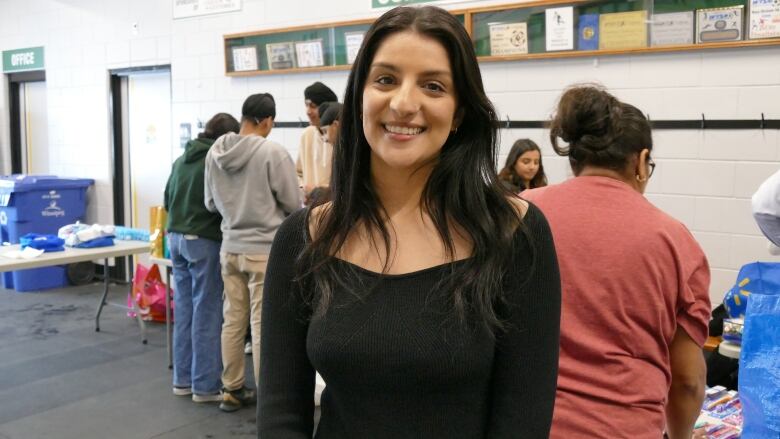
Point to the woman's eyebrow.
(393, 68)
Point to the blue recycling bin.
(39, 204)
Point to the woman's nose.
(405, 100)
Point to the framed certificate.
(623, 30)
(508, 38)
(280, 55)
(244, 58)
(672, 28)
(309, 53)
(719, 24)
(764, 19)
(354, 41)
(559, 28)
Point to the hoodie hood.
(197, 149)
(232, 152)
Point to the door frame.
(118, 110)
(15, 81)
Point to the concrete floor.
(59, 379)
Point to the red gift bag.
(149, 294)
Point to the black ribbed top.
(397, 365)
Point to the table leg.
(168, 315)
(137, 311)
(102, 299)
(106, 281)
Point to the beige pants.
(243, 277)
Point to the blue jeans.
(197, 357)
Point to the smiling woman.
(409, 103)
(425, 294)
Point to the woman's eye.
(433, 86)
(384, 80)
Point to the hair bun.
(584, 115)
(599, 129)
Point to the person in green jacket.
(194, 238)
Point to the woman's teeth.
(403, 130)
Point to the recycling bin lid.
(25, 182)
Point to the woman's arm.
(285, 408)
(688, 382)
(525, 367)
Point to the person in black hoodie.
(194, 237)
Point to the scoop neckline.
(422, 271)
(415, 273)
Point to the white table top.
(161, 261)
(71, 255)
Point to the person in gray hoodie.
(251, 182)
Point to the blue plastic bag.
(759, 364)
(103, 241)
(47, 243)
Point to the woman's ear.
(457, 119)
(642, 168)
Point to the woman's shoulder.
(293, 228)
(534, 225)
(520, 205)
(316, 216)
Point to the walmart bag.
(759, 365)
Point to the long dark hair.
(600, 130)
(509, 174)
(462, 191)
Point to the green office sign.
(21, 60)
(391, 3)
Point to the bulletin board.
(532, 30)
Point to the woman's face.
(409, 101)
(527, 165)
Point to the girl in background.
(523, 169)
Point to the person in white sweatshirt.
(314, 153)
(251, 182)
(766, 210)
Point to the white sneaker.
(248, 348)
(214, 397)
(182, 391)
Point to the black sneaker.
(233, 400)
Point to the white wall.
(704, 178)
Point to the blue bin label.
(52, 195)
(53, 210)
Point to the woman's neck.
(592, 171)
(400, 192)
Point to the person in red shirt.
(635, 302)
